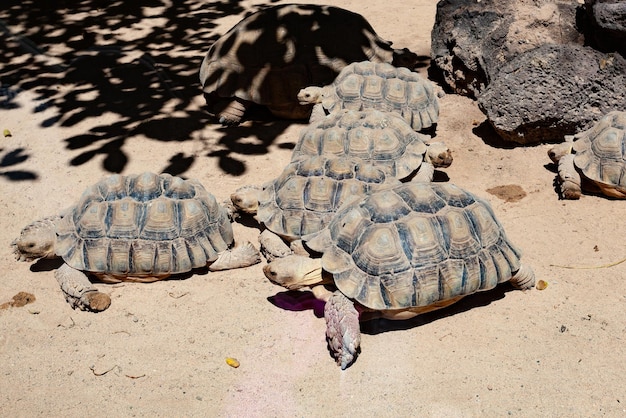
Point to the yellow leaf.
(232, 362)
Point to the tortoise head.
(246, 199)
(310, 95)
(404, 58)
(36, 240)
(295, 271)
(559, 150)
(439, 154)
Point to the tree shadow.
(12, 158)
(253, 138)
(138, 61)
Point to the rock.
(462, 32)
(606, 25)
(552, 91)
(525, 62)
(471, 40)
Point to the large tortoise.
(400, 252)
(305, 196)
(370, 85)
(379, 138)
(270, 55)
(594, 160)
(140, 228)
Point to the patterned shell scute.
(414, 244)
(601, 151)
(271, 54)
(303, 199)
(381, 86)
(144, 225)
(377, 138)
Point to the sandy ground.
(160, 349)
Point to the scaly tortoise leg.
(243, 255)
(317, 113)
(425, 173)
(79, 292)
(273, 246)
(524, 278)
(231, 112)
(569, 178)
(342, 328)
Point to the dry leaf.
(232, 362)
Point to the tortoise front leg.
(243, 255)
(342, 328)
(317, 113)
(273, 246)
(425, 173)
(79, 292)
(569, 178)
(231, 111)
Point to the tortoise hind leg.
(243, 255)
(524, 278)
(343, 331)
(79, 292)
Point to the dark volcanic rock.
(552, 91)
(525, 62)
(472, 39)
(462, 33)
(606, 24)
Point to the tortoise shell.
(306, 195)
(145, 225)
(380, 86)
(270, 55)
(381, 139)
(415, 244)
(601, 152)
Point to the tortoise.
(304, 197)
(270, 55)
(594, 160)
(399, 252)
(381, 86)
(140, 228)
(380, 138)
